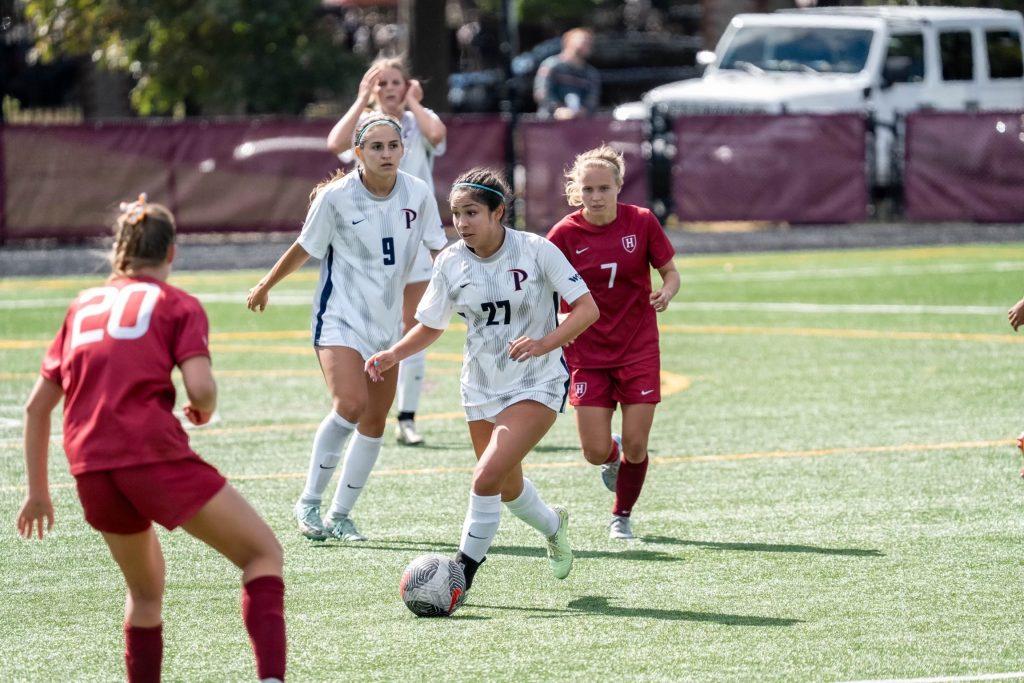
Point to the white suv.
(883, 61)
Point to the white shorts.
(422, 268)
(552, 394)
(335, 331)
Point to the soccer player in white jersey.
(506, 285)
(387, 87)
(366, 228)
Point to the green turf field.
(833, 495)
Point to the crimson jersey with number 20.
(113, 358)
(615, 261)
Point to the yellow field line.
(185, 281)
(839, 333)
(657, 460)
(752, 330)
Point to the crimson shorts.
(638, 382)
(127, 500)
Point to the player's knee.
(487, 481)
(373, 426)
(596, 455)
(350, 407)
(634, 449)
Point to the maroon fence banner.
(965, 167)
(794, 168)
(547, 149)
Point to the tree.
(212, 57)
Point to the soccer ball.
(433, 586)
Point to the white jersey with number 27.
(512, 293)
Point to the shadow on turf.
(597, 605)
(766, 547)
(517, 551)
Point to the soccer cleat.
(310, 524)
(559, 552)
(620, 528)
(344, 529)
(407, 434)
(610, 471)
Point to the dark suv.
(630, 64)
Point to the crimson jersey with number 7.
(615, 261)
(113, 357)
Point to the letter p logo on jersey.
(410, 216)
(518, 277)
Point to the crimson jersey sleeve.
(192, 335)
(659, 248)
(51, 368)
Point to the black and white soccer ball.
(433, 586)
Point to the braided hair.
(143, 234)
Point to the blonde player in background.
(506, 285)
(366, 227)
(387, 87)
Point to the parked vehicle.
(883, 61)
(629, 63)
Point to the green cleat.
(344, 529)
(310, 524)
(559, 552)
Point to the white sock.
(359, 460)
(327, 444)
(481, 525)
(410, 382)
(531, 509)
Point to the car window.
(957, 57)
(808, 50)
(1004, 54)
(909, 46)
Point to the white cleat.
(610, 471)
(344, 529)
(620, 528)
(559, 550)
(406, 433)
(310, 524)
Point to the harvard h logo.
(629, 243)
(580, 388)
(410, 216)
(518, 277)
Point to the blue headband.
(376, 122)
(480, 187)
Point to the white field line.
(1010, 675)
(770, 306)
(861, 271)
(800, 307)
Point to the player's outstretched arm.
(414, 341)
(584, 313)
(197, 374)
(290, 261)
(1016, 315)
(669, 286)
(340, 137)
(37, 505)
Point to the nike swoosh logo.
(328, 468)
(580, 251)
(358, 221)
(649, 391)
(465, 285)
(353, 487)
(479, 538)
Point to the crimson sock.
(143, 652)
(628, 486)
(613, 455)
(263, 614)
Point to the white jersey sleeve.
(437, 305)
(433, 231)
(560, 274)
(319, 226)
